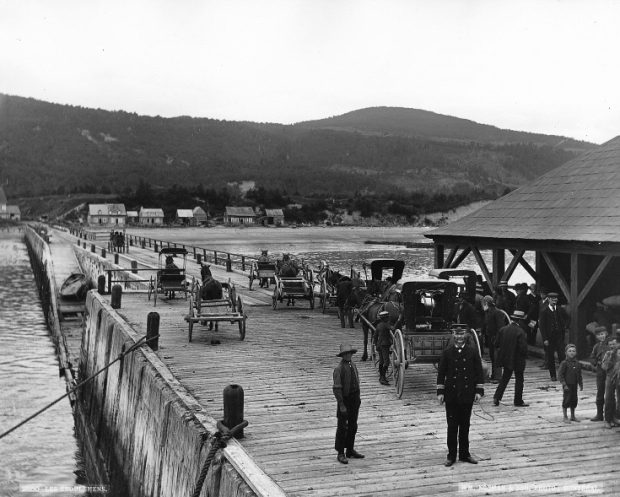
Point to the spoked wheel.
(311, 299)
(251, 277)
(323, 296)
(151, 288)
(275, 298)
(191, 328)
(398, 362)
(242, 322)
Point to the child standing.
(610, 359)
(596, 358)
(569, 375)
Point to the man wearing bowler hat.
(347, 393)
(552, 328)
(460, 383)
(511, 355)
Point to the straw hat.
(345, 348)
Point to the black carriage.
(169, 280)
(264, 271)
(227, 309)
(380, 271)
(428, 315)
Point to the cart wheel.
(323, 296)
(155, 297)
(275, 297)
(251, 277)
(475, 335)
(151, 287)
(311, 299)
(398, 363)
(242, 329)
(191, 328)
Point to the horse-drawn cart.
(290, 288)
(264, 271)
(428, 315)
(229, 308)
(169, 278)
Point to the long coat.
(459, 375)
(512, 347)
(552, 325)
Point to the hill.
(50, 148)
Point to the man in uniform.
(460, 383)
(347, 393)
(552, 328)
(382, 338)
(511, 355)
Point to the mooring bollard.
(103, 253)
(152, 330)
(134, 267)
(116, 259)
(229, 268)
(101, 284)
(199, 258)
(155, 247)
(92, 248)
(233, 408)
(117, 294)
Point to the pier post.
(101, 284)
(134, 267)
(199, 258)
(92, 248)
(242, 263)
(116, 258)
(103, 253)
(152, 330)
(117, 294)
(233, 408)
(229, 268)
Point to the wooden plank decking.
(285, 367)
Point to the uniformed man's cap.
(552, 295)
(459, 329)
(518, 315)
(600, 329)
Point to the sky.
(542, 66)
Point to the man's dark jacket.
(459, 375)
(512, 347)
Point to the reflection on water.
(43, 452)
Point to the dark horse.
(369, 315)
(211, 289)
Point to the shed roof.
(185, 213)
(578, 201)
(106, 209)
(199, 211)
(151, 212)
(132, 213)
(274, 212)
(240, 211)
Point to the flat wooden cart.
(264, 271)
(290, 288)
(428, 317)
(227, 309)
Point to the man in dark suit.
(511, 355)
(552, 328)
(460, 383)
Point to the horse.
(211, 289)
(370, 314)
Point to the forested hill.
(47, 148)
(429, 125)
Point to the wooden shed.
(569, 218)
(200, 216)
(185, 217)
(273, 217)
(151, 216)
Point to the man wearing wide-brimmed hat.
(511, 355)
(382, 339)
(504, 298)
(553, 329)
(347, 393)
(460, 383)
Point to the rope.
(487, 416)
(219, 442)
(78, 386)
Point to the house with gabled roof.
(569, 218)
(7, 211)
(239, 215)
(106, 215)
(273, 217)
(150, 216)
(185, 217)
(200, 216)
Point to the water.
(42, 456)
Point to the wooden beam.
(513, 264)
(439, 255)
(574, 298)
(482, 265)
(555, 271)
(499, 265)
(593, 279)
(461, 257)
(526, 265)
(450, 257)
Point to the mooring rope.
(220, 438)
(142, 341)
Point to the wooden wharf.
(285, 367)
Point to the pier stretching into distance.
(285, 367)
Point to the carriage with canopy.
(426, 326)
(169, 278)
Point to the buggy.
(169, 280)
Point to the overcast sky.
(542, 66)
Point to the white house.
(151, 216)
(239, 215)
(107, 214)
(8, 211)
